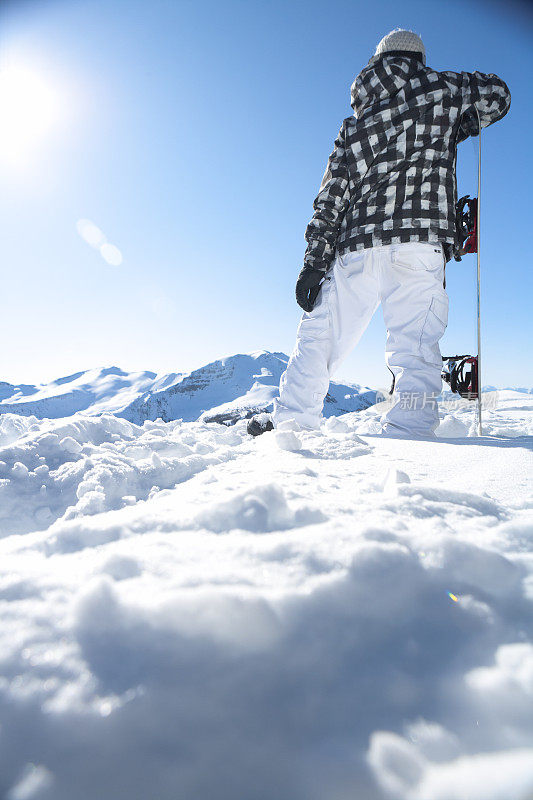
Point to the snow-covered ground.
(190, 613)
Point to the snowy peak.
(220, 383)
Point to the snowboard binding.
(466, 225)
(461, 373)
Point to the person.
(383, 229)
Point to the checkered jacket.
(391, 175)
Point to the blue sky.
(195, 136)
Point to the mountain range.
(223, 391)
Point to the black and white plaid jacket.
(391, 175)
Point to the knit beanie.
(401, 40)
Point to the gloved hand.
(308, 287)
(468, 124)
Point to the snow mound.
(261, 509)
(451, 428)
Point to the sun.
(30, 109)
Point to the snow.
(451, 428)
(287, 440)
(190, 612)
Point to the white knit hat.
(401, 40)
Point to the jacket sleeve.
(486, 93)
(330, 206)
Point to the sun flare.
(30, 109)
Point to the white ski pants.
(408, 281)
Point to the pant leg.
(325, 336)
(415, 309)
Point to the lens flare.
(96, 238)
(90, 233)
(111, 254)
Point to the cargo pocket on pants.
(433, 329)
(315, 324)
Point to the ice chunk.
(287, 440)
(70, 445)
(19, 470)
(336, 425)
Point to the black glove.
(308, 287)
(468, 124)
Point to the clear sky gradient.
(195, 135)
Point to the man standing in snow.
(383, 230)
